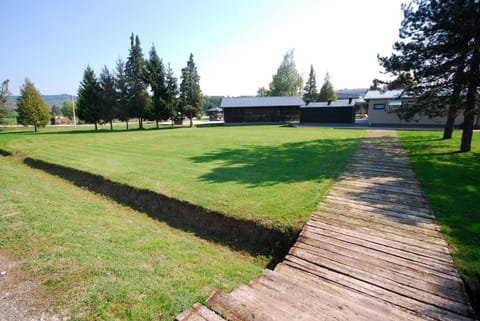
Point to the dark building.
(336, 112)
(262, 109)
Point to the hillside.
(49, 99)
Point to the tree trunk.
(126, 122)
(191, 122)
(35, 127)
(111, 125)
(452, 114)
(140, 123)
(469, 116)
(96, 126)
(157, 123)
(173, 122)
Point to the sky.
(237, 45)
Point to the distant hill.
(351, 93)
(49, 99)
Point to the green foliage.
(310, 92)
(67, 109)
(89, 104)
(136, 86)
(211, 101)
(190, 93)
(441, 46)
(108, 97)
(451, 183)
(403, 81)
(4, 93)
(263, 92)
(155, 75)
(171, 94)
(121, 87)
(56, 111)
(287, 81)
(31, 108)
(327, 92)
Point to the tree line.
(289, 82)
(139, 88)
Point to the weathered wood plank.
(383, 232)
(409, 303)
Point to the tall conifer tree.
(89, 103)
(136, 84)
(155, 74)
(190, 93)
(310, 92)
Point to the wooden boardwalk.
(371, 251)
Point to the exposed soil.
(22, 297)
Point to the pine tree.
(287, 81)
(327, 92)
(441, 46)
(123, 111)
(171, 97)
(108, 97)
(89, 102)
(136, 84)
(155, 75)
(190, 93)
(310, 92)
(31, 108)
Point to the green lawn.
(451, 181)
(274, 175)
(102, 261)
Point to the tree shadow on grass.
(256, 165)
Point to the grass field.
(101, 261)
(451, 181)
(274, 175)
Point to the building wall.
(386, 116)
(261, 114)
(344, 115)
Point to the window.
(378, 106)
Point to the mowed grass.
(273, 175)
(101, 261)
(451, 181)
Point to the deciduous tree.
(287, 81)
(31, 108)
(190, 93)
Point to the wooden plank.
(416, 273)
(392, 234)
(432, 266)
(390, 188)
(199, 312)
(371, 267)
(429, 230)
(231, 308)
(393, 207)
(391, 243)
(381, 309)
(378, 222)
(409, 303)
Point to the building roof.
(244, 102)
(338, 103)
(215, 109)
(388, 94)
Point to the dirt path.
(22, 297)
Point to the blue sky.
(237, 45)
